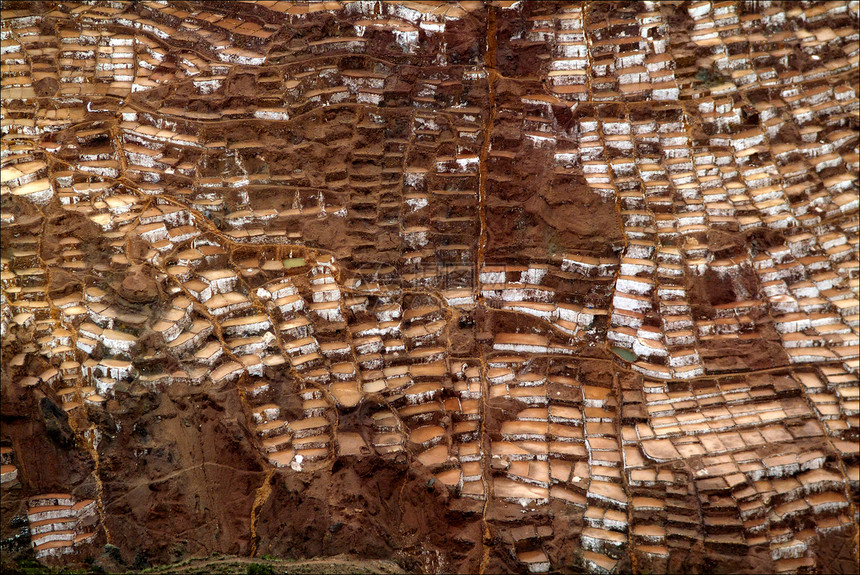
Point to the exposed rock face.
(476, 286)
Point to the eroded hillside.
(471, 286)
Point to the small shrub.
(141, 562)
(113, 552)
(260, 569)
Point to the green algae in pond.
(294, 262)
(624, 354)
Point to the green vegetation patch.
(294, 262)
(624, 354)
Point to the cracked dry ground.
(479, 287)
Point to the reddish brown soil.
(177, 471)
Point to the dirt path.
(231, 564)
